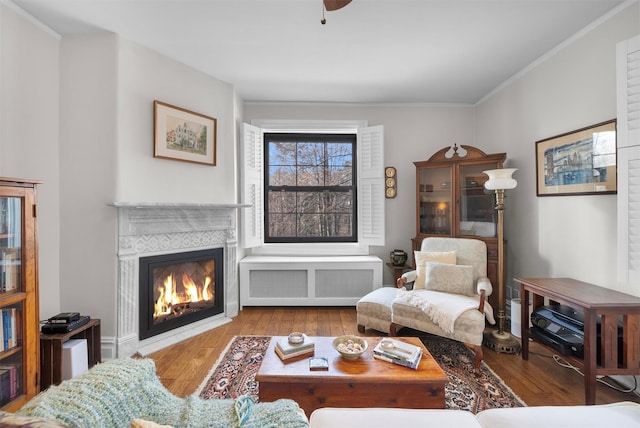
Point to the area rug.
(234, 374)
(468, 389)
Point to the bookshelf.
(19, 304)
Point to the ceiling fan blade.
(330, 5)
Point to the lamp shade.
(500, 179)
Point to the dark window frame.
(326, 138)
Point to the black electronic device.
(557, 331)
(53, 328)
(64, 318)
(562, 328)
(562, 346)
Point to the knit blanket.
(114, 393)
(442, 308)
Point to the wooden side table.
(598, 304)
(397, 271)
(51, 351)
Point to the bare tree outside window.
(311, 188)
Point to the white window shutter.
(371, 185)
(628, 92)
(252, 185)
(628, 140)
(629, 214)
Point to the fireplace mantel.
(151, 228)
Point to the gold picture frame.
(183, 135)
(581, 162)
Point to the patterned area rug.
(468, 390)
(234, 374)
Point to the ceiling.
(371, 51)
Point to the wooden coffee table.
(365, 382)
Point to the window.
(366, 189)
(310, 184)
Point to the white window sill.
(315, 249)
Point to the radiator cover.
(307, 281)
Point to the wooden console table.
(596, 303)
(51, 351)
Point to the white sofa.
(619, 415)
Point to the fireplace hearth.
(180, 288)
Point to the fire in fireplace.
(178, 289)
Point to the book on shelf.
(5, 387)
(6, 328)
(286, 350)
(10, 267)
(2, 347)
(3, 270)
(398, 352)
(9, 328)
(9, 381)
(14, 327)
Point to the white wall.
(143, 76)
(411, 134)
(88, 168)
(559, 236)
(108, 88)
(29, 58)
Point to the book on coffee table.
(286, 350)
(318, 363)
(398, 352)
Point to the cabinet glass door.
(477, 205)
(435, 201)
(10, 244)
(11, 330)
(11, 358)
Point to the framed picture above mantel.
(184, 135)
(581, 162)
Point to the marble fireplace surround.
(148, 229)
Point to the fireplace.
(179, 288)
(157, 229)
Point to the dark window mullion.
(318, 189)
(318, 165)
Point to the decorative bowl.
(296, 337)
(350, 347)
(398, 257)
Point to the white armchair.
(449, 293)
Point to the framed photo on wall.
(183, 135)
(581, 162)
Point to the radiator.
(307, 281)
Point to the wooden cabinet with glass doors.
(19, 332)
(451, 201)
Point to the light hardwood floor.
(539, 381)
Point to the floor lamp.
(501, 341)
